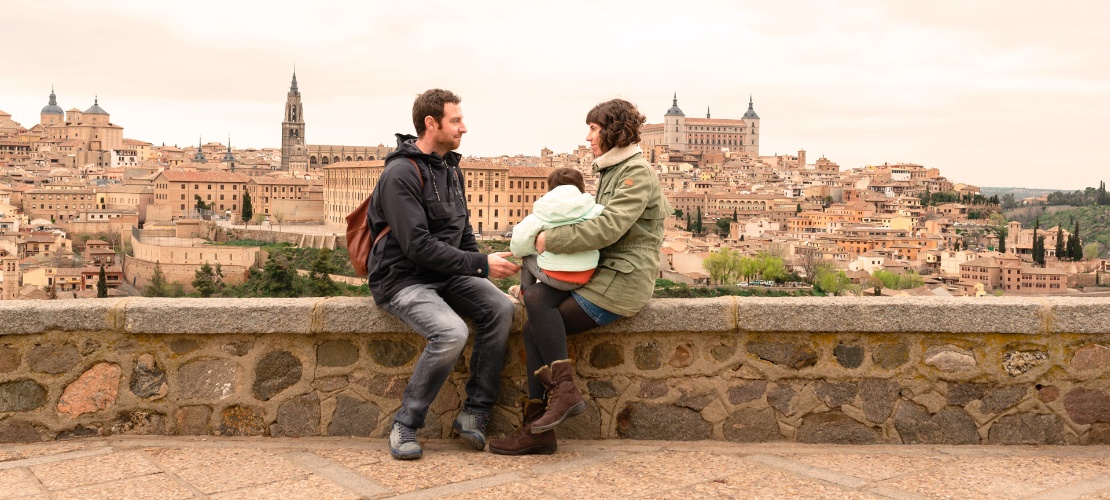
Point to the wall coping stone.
(308, 316)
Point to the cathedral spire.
(293, 86)
(199, 157)
(707, 115)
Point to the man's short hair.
(619, 121)
(431, 103)
(564, 176)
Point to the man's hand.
(541, 242)
(499, 267)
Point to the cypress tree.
(1075, 246)
(248, 209)
(102, 284)
(1060, 254)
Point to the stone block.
(1087, 406)
(960, 394)
(89, 347)
(139, 422)
(148, 380)
(647, 356)
(21, 395)
(722, 353)
(1018, 362)
(53, 359)
(602, 389)
(585, 425)
(890, 356)
(240, 347)
(696, 401)
(793, 355)
(949, 358)
(9, 358)
(18, 431)
(664, 422)
(353, 417)
(387, 387)
(752, 426)
(208, 379)
(330, 384)
(835, 427)
(1048, 394)
(748, 390)
(1027, 428)
(835, 394)
(93, 391)
(242, 421)
(679, 315)
(653, 389)
(58, 315)
(1089, 357)
(392, 353)
(1099, 433)
(1077, 315)
(224, 316)
(298, 416)
(275, 372)
(877, 397)
(357, 315)
(948, 426)
(999, 399)
(606, 355)
(78, 432)
(682, 357)
(849, 356)
(336, 353)
(193, 420)
(781, 397)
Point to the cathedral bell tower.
(294, 154)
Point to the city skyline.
(994, 94)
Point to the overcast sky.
(994, 93)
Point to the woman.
(628, 234)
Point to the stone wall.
(994, 370)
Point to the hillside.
(1019, 193)
(1094, 223)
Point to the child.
(565, 203)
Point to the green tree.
(697, 222)
(724, 225)
(208, 281)
(1038, 244)
(102, 284)
(1060, 243)
(689, 223)
(279, 279)
(248, 209)
(829, 280)
(716, 264)
(1002, 232)
(158, 286)
(1075, 245)
(319, 279)
(200, 206)
(1092, 250)
(734, 217)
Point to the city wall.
(994, 370)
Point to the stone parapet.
(992, 370)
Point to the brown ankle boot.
(522, 441)
(563, 398)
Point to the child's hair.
(563, 176)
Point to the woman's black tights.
(552, 315)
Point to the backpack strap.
(387, 228)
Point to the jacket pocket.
(653, 213)
(611, 275)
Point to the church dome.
(95, 109)
(53, 108)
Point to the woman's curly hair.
(619, 121)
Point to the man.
(427, 271)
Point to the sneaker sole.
(572, 411)
(406, 456)
(474, 439)
(547, 449)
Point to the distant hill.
(1018, 193)
(1094, 222)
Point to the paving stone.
(997, 400)
(9, 358)
(148, 380)
(602, 389)
(1018, 362)
(650, 421)
(948, 426)
(1090, 357)
(193, 420)
(242, 421)
(298, 417)
(336, 353)
(890, 356)
(353, 417)
(750, 425)
(1048, 394)
(18, 431)
(849, 356)
(647, 356)
(877, 396)
(795, 356)
(209, 379)
(781, 397)
(1099, 433)
(652, 389)
(53, 359)
(392, 353)
(606, 355)
(183, 346)
(749, 390)
(682, 357)
(275, 372)
(585, 425)
(1027, 428)
(139, 422)
(21, 395)
(329, 384)
(835, 394)
(722, 353)
(93, 391)
(836, 428)
(239, 347)
(949, 358)
(1087, 406)
(960, 394)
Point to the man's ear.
(430, 123)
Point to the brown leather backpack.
(358, 232)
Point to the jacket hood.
(566, 203)
(406, 148)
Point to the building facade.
(701, 135)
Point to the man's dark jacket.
(430, 237)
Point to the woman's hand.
(541, 242)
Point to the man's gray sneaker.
(402, 442)
(472, 428)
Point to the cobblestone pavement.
(326, 468)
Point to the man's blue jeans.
(435, 311)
